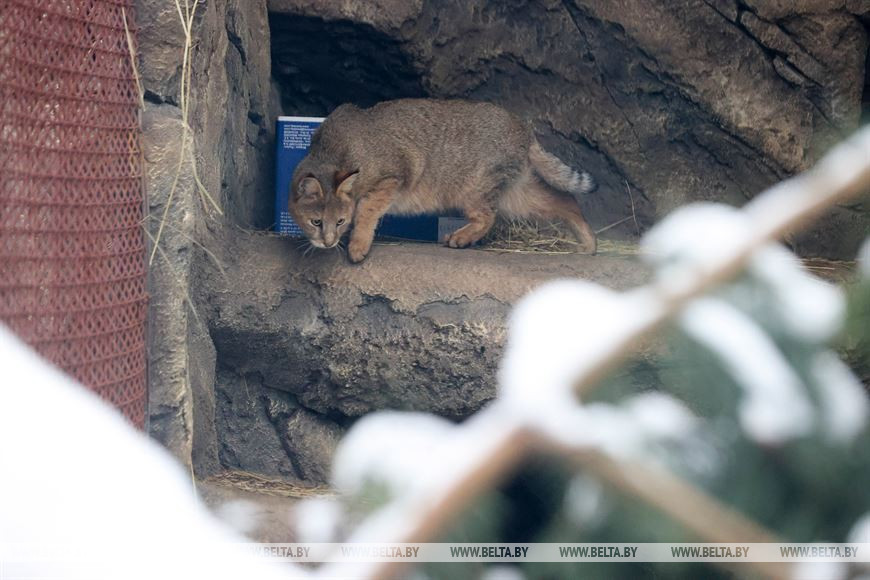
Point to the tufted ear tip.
(308, 187)
(344, 188)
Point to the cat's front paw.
(357, 251)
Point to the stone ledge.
(416, 326)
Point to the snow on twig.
(775, 407)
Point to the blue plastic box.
(293, 138)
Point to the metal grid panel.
(72, 253)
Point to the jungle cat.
(415, 156)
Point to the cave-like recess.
(319, 65)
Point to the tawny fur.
(414, 156)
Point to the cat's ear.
(308, 187)
(346, 184)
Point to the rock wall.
(233, 99)
(260, 357)
(181, 357)
(231, 122)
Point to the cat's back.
(424, 122)
(433, 144)
(439, 119)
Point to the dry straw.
(187, 150)
(259, 484)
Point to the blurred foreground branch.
(682, 502)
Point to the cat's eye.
(316, 223)
(341, 221)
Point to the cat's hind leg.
(480, 218)
(539, 200)
(480, 201)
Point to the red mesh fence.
(72, 256)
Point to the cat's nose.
(330, 239)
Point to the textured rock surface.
(305, 344)
(310, 441)
(676, 100)
(416, 326)
(232, 96)
(231, 118)
(264, 430)
(181, 357)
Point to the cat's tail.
(558, 175)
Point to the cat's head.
(322, 204)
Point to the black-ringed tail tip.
(559, 175)
(582, 182)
